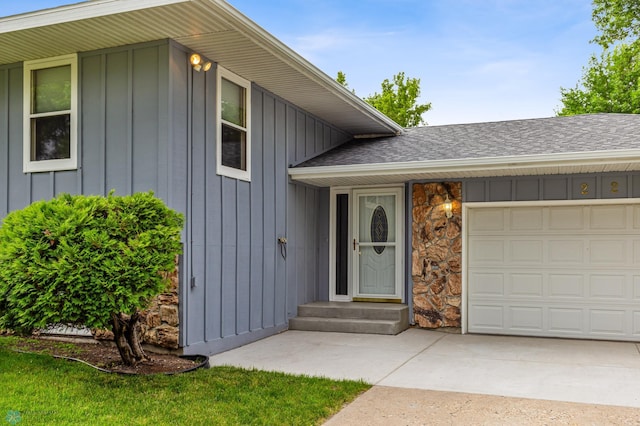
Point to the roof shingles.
(556, 135)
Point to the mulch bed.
(105, 356)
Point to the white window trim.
(221, 169)
(71, 163)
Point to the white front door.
(378, 243)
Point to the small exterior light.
(196, 62)
(448, 207)
(195, 59)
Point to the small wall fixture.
(448, 207)
(198, 64)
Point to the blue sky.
(478, 60)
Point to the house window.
(234, 136)
(50, 110)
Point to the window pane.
(234, 148)
(51, 89)
(50, 138)
(233, 103)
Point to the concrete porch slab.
(596, 372)
(370, 357)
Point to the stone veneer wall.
(159, 325)
(436, 255)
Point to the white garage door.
(566, 271)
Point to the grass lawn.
(39, 389)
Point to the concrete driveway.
(593, 372)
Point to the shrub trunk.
(126, 336)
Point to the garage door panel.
(526, 251)
(636, 287)
(610, 322)
(566, 218)
(608, 217)
(608, 252)
(636, 217)
(574, 273)
(526, 219)
(566, 285)
(636, 252)
(487, 284)
(566, 320)
(488, 317)
(526, 285)
(526, 318)
(563, 252)
(482, 251)
(608, 287)
(487, 220)
(635, 315)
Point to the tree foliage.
(617, 21)
(87, 261)
(609, 84)
(342, 79)
(611, 81)
(398, 99)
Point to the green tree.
(342, 79)
(398, 99)
(87, 261)
(609, 84)
(611, 81)
(617, 21)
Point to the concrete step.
(346, 325)
(364, 310)
(352, 317)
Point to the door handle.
(354, 244)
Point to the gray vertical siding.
(16, 185)
(124, 141)
(238, 284)
(109, 146)
(5, 136)
(555, 187)
(147, 122)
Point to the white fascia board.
(77, 12)
(292, 58)
(520, 162)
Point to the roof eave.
(77, 12)
(339, 103)
(310, 70)
(525, 165)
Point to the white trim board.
(575, 162)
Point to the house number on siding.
(614, 187)
(584, 188)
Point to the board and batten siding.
(552, 187)
(239, 284)
(122, 144)
(147, 122)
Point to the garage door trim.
(466, 210)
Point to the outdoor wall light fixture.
(448, 207)
(198, 64)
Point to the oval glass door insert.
(379, 228)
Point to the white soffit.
(212, 28)
(526, 165)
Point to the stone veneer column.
(436, 255)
